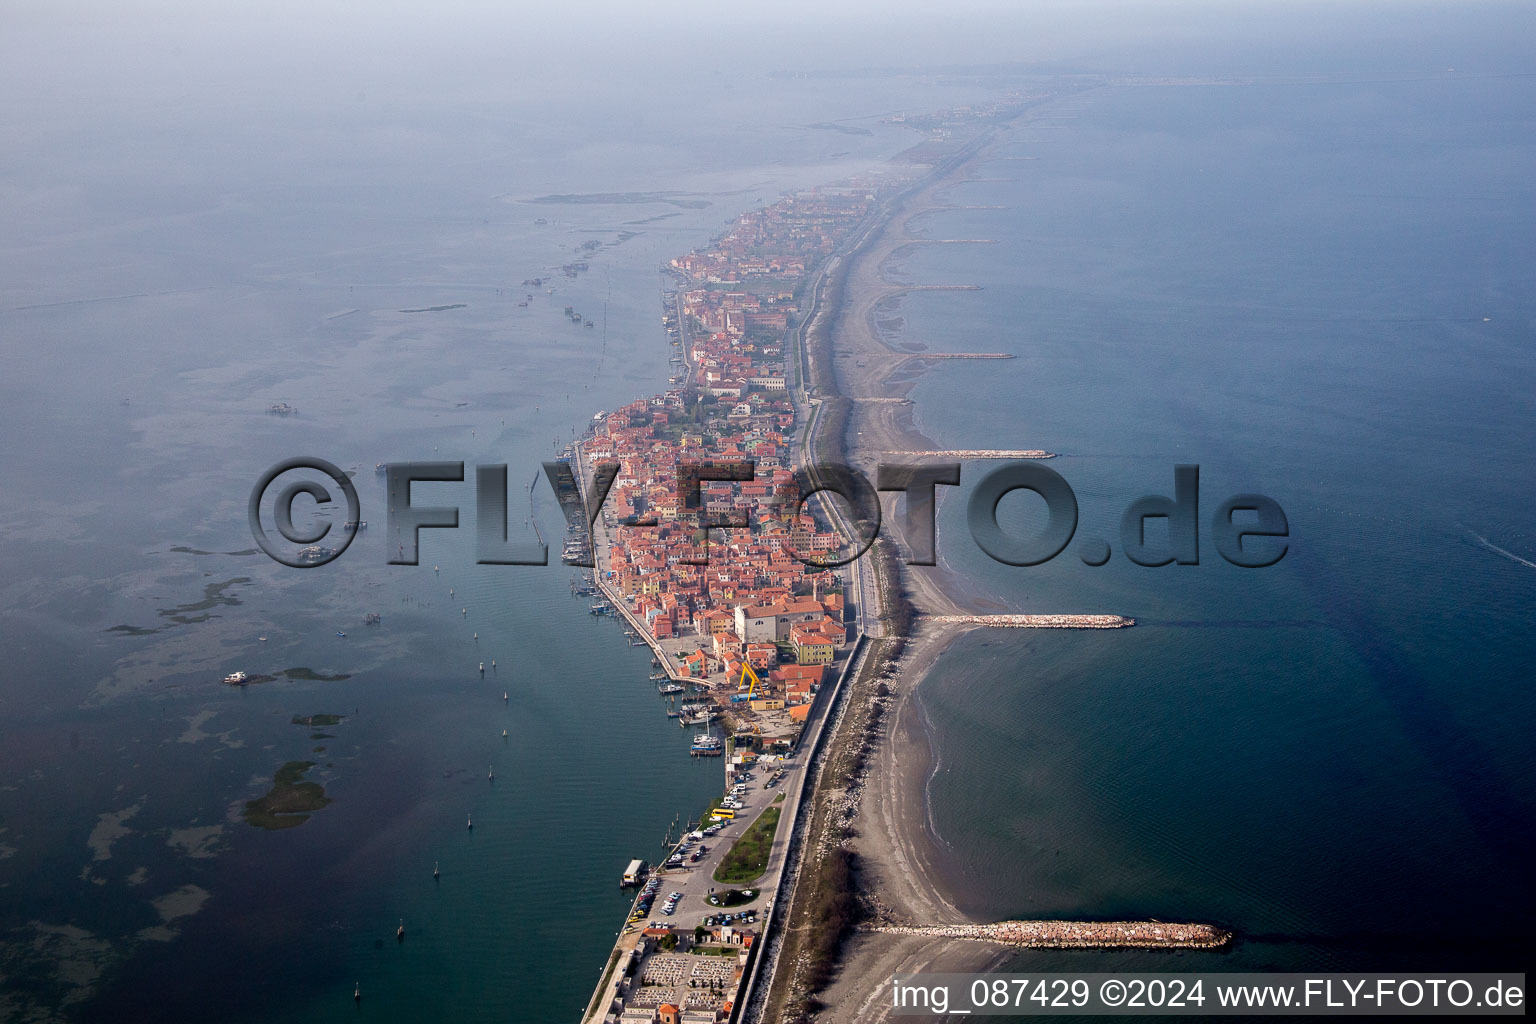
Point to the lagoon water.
(1315, 291)
(150, 318)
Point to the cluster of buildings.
(770, 249)
(747, 595)
(742, 612)
(661, 982)
(736, 596)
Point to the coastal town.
(746, 620)
(756, 607)
(748, 624)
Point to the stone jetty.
(1038, 621)
(1075, 934)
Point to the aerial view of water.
(1330, 755)
(359, 257)
(1312, 284)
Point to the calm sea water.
(190, 267)
(1317, 291)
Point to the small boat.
(490, 773)
(357, 992)
(493, 664)
(482, 668)
(400, 932)
(435, 872)
(262, 639)
(707, 743)
(503, 734)
(477, 636)
(469, 822)
(504, 696)
(340, 633)
(236, 678)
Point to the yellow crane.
(746, 671)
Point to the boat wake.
(1491, 546)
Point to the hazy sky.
(75, 40)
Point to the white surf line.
(938, 763)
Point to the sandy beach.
(897, 850)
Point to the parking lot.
(677, 891)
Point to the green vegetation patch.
(834, 914)
(290, 800)
(748, 858)
(733, 897)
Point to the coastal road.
(865, 585)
